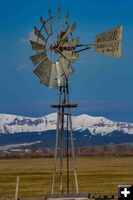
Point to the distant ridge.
(95, 125)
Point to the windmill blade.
(71, 43)
(57, 76)
(45, 78)
(38, 34)
(65, 21)
(53, 77)
(58, 18)
(38, 57)
(74, 42)
(70, 55)
(66, 66)
(51, 74)
(43, 69)
(43, 23)
(50, 22)
(49, 13)
(61, 75)
(69, 31)
(37, 46)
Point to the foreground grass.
(97, 175)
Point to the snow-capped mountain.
(95, 125)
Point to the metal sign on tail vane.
(109, 42)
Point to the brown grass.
(97, 175)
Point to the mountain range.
(95, 125)
(88, 130)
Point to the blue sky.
(102, 85)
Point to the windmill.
(56, 49)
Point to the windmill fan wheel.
(54, 48)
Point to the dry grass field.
(97, 175)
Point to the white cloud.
(23, 66)
(31, 36)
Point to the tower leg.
(67, 157)
(56, 151)
(62, 150)
(73, 156)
